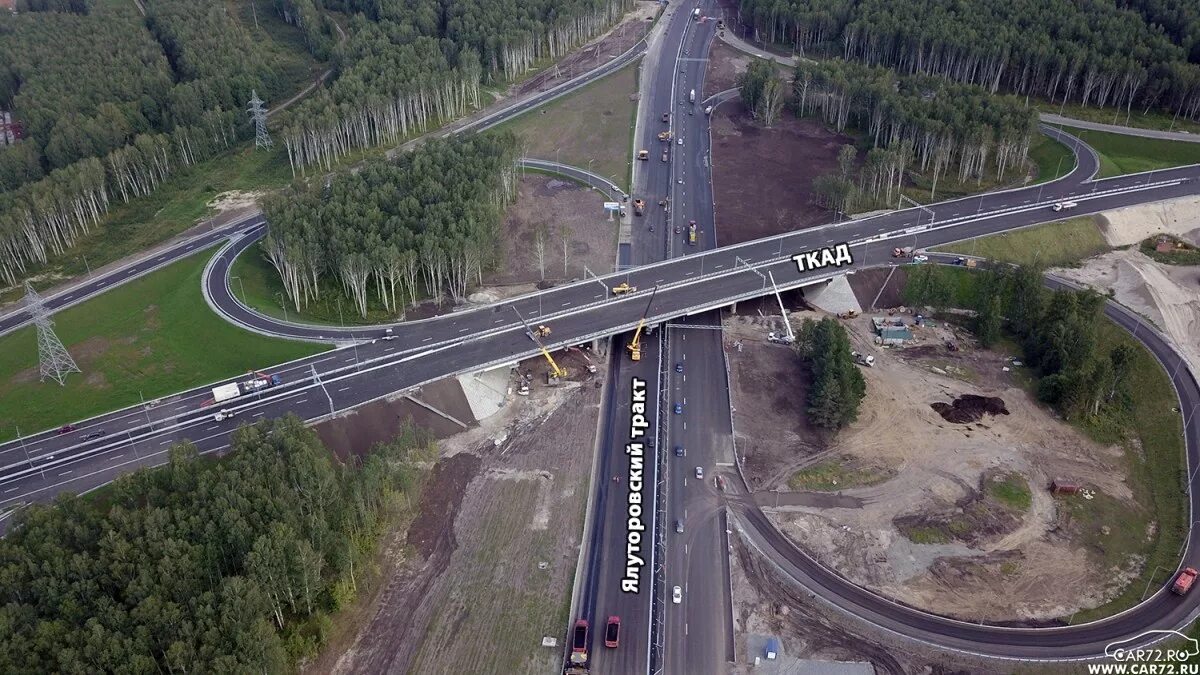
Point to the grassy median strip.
(1051, 245)
(588, 128)
(1121, 154)
(151, 337)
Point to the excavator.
(635, 345)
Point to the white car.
(699, 473)
(680, 140)
(918, 259)
(1063, 206)
(223, 415)
(677, 595)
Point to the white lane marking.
(117, 456)
(215, 426)
(189, 246)
(463, 330)
(427, 339)
(659, 281)
(390, 349)
(11, 490)
(502, 320)
(181, 407)
(258, 414)
(348, 359)
(567, 304)
(689, 274)
(344, 389)
(160, 258)
(164, 442)
(130, 271)
(302, 400)
(720, 266)
(66, 473)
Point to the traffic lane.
(575, 295)
(700, 633)
(129, 271)
(696, 266)
(610, 598)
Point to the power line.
(55, 360)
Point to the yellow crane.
(557, 372)
(635, 345)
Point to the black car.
(94, 434)
(680, 451)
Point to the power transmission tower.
(56, 361)
(258, 114)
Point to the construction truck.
(692, 232)
(692, 96)
(623, 288)
(863, 359)
(902, 252)
(780, 338)
(848, 314)
(579, 643)
(967, 262)
(1064, 206)
(644, 155)
(227, 392)
(639, 207)
(1183, 582)
(696, 14)
(542, 331)
(224, 414)
(664, 135)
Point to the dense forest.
(836, 387)
(112, 104)
(408, 66)
(201, 566)
(426, 223)
(1056, 330)
(913, 122)
(1100, 52)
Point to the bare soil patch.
(725, 65)
(555, 203)
(998, 565)
(770, 389)
(969, 408)
(486, 568)
(357, 431)
(762, 178)
(879, 288)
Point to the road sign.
(612, 206)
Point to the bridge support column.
(598, 346)
(733, 309)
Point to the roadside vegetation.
(841, 473)
(1064, 243)
(994, 509)
(234, 565)
(1134, 118)
(1100, 380)
(1179, 252)
(1052, 160)
(1121, 154)
(837, 386)
(148, 338)
(591, 128)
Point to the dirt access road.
(911, 462)
(486, 569)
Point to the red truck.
(579, 642)
(612, 631)
(1183, 582)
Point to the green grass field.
(1156, 120)
(1053, 245)
(1012, 490)
(590, 128)
(148, 338)
(1120, 154)
(1052, 159)
(838, 474)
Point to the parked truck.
(233, 390)
(692, 232)
(863, 359)
(664, 135)
(639, 207)
(902, 252)
(1183, 582)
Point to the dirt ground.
(487, 567)
(1169, 295)
(357, 431)
(768, 603)
(879, 288)
(725, 64)
(1030, 571)
(612, 44)
(555, 203)
(762, 177)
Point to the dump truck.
(644, 155)
(664, 135)
(623, 288)
(639, 207)
(579, 643)
(233, 390)
(902, 251)
(692, 232)
(1183, 582)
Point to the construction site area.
(939, 495)
(492, 549)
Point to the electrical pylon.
(258, 115)
(56, 361)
